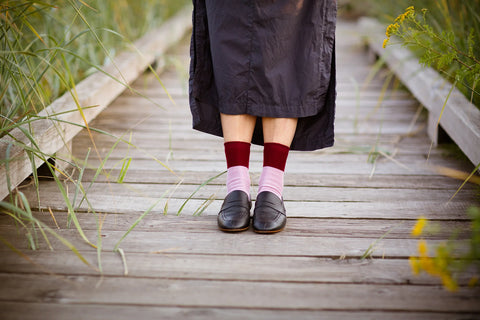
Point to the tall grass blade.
(7, 168)
(26, 205)
(124, 261)
(123, 171)
(467, 179)
(78, 184)
(29, 235)
(196, 190)
(440, 116)
(204, 205)
(138, 221)
(368, 253)
(8, 208)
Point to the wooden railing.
(62, 120)
(460, 118)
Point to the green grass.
(46, 47)
(457, 26)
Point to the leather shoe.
(269, 215)
(234, 216)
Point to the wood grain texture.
(170, 265)
(460, 119)
(339, 206)
(30, 311)
(211, 293)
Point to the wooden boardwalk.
(181, 267)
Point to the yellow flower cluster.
(393, 28)
(433, 266)
(385, 42)
(419, 226)
(409, 12)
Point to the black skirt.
(267, 58)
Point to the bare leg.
(238, 127)
(279, 130)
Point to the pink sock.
(238, 178)
(271, 180)
(237, 154)
(274, 161)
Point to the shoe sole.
(268, 231)
(234, 230)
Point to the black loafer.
(234, 216)
(269, 215)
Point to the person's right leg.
(237, 133)
(269, 215)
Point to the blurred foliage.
(447, 263)
(441, 32)
(458, 59)
(48, 46)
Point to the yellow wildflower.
(419, 226)
(473, 281)
(449, 283)
(426, 264)
(414, 265)
(401, 17)
(385, 42)
(392, 29)
(422, 248)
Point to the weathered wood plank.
(420, 140)
(346, 144)
(169, 265)
(337, 154)
(134, 204)
(348, 210)
(53, 311)
(247, 243)
(382, 167)
(201, 293)
(165, 152)
(49, 192)
(291, 179)
(314, 227)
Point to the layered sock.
(274, 160)
(237, 154)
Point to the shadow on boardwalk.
(182, 267)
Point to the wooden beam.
(460, 119)
(69, 114)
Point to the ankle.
(238, 178)
(271, 180)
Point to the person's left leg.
(278, 135)
(269, 214)
(234, 214)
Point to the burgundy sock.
(237, 154)
(274, 160)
